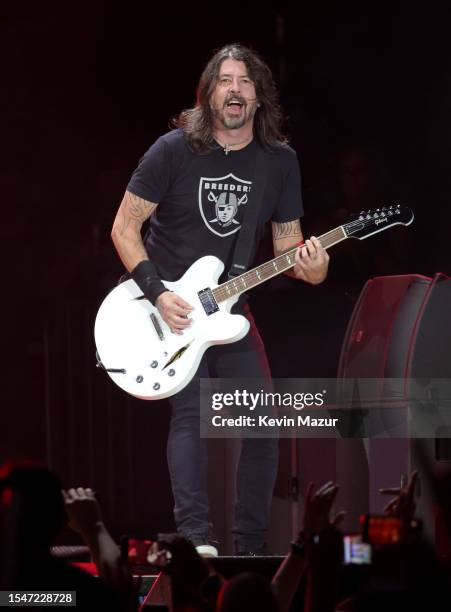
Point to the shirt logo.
(219, 202)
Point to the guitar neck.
(278, 265)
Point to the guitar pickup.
(208, 301)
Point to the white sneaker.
(203, 546)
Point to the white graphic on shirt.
(219, 202)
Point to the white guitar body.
(132, 338)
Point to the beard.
(232, 122)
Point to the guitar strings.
(269, 269)
(252, 278)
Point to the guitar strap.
(246, 239)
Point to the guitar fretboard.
(271, 268)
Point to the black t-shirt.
(202, 198)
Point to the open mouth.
(234, 105)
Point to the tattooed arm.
(312, 260)
(126, 233)
(286, 236)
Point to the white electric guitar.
(139, 352)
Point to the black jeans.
(187, 452)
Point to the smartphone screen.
(355, 551)
(381, 530)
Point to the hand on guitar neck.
(311, 262)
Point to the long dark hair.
(196, 122)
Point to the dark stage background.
(87, 87)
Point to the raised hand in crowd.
(83, 510)
(318, 509)
(324, 544)
(85, 518)
(403, 504)
(317, 542)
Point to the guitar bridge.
(157, 326)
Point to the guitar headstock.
(370, 222)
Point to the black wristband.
(146, 277)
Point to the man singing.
(194, 184)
